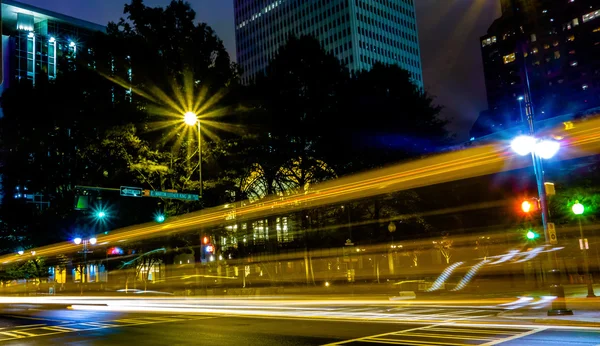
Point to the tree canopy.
(117, 112)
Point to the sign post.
(552, 233)
(173, 195)
(131, 191)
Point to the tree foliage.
(306, 120)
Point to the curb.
(567, 322)
(554, 321)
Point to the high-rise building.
(553, 44)
(358, 32)
(34, 40)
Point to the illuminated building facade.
(358, 32)
(556, 43)
(34, 40)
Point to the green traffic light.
(531, 235)
(101, 214)
(159, 217)
(578, 208)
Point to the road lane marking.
(518, 336)
(378, 335)
(24, 326)
(446, 334)
(89, 326)
(36, 318)
(60, 329)
(13, 335)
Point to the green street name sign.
(174, 195)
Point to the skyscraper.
(358, 32)
(555, 46)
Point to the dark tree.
(384, 118)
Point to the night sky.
(449, 33)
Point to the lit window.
(591, 15)
(573, 63)
(555, 43)
(488, 41)
(533, 38)
(509, 58)
(546, 46)
(557, 55)
(584, 87)
(575, 21)
(597, 29)
(535, 51)
(572, 52)
(571, 38)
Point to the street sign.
(131, 191)
(552, 233)
(174, 195)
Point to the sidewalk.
(581, 318)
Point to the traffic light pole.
(559, 306)
(586, 263)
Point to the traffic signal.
(529, 205)
(578, 208)
(159, 217)
(205, 240)
(531, 235)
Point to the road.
(360, 325)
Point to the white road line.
(380, 335)
(36, 318)
(24, 326)
(514, 337)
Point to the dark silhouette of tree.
(384, 118)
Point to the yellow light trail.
(582, 139)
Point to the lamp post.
(191, 119)
(543, 149)
(578, 210)
(84, 251)
(520, 99)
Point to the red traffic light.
(205, 240)
(529, 205)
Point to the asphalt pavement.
(60, 325)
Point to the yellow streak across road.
(578, 140)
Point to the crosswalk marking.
(60, 329)
(515, 336)
(13, 335)
(447, 334)
(42, 330)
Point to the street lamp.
(520, 99)
(84, 251)
(191, 119)
(543, 149)
(578, 210)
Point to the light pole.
(578, 210)
(191, 119)
(520, 99)
(84, 251)
(543, 149)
